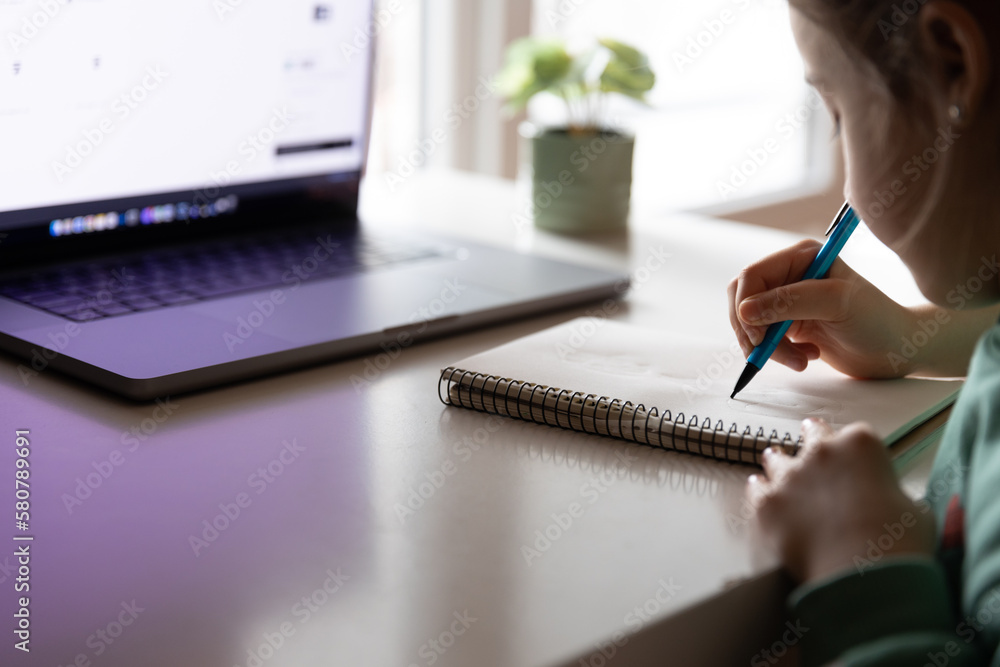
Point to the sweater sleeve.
(897, 612)
(981, 567)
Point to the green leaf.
(533, 65)
(631, 56)
(552, 63)
(628, 72)
(633, 82)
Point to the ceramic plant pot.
(581, 182)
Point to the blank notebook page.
(695, 377)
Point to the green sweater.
(921, 611)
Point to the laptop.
(180, 201)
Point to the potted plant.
(581, 172)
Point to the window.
(730, 120)
(435, 103)
(398, 95)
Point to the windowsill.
(807, 209)
(804, 210)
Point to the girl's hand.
(843, 319)
(819, 510)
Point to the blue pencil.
(843, 226)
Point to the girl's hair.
(884, 33)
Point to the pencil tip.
(748, 374)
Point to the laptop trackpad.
(316, 312)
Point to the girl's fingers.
(777, 464)
(824, 300)
(815, 431)
(795, 355)
(758, 488)
(781, 268)
(739, 328)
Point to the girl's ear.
(958, 56)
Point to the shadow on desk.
(710, 634)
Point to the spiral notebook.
(671, 391)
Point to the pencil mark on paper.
(779, 403)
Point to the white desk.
(651, 518)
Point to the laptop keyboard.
(171, 277)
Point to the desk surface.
(312, 559)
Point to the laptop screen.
(118, 114)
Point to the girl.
(913, 88)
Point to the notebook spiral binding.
(606, 416)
